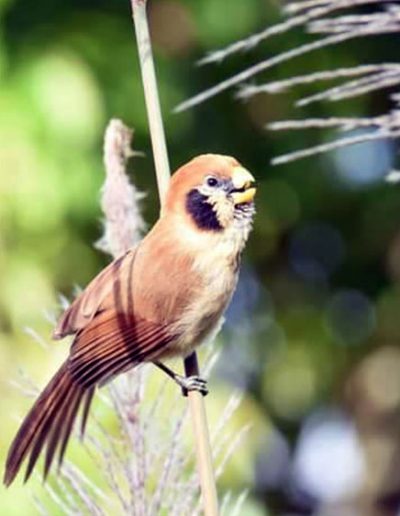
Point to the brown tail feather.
(66, 432)
(86, 406)
(49, 422)
(65, 414)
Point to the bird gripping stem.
(197, 408)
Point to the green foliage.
(65, 70)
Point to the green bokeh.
(65, 70)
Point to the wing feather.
(91, 300)
(110, 345)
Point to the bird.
(160, 299)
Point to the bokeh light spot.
(350, 317)
(68, 97)
(290, 384)
(165, 36)
(364, 163)
(328, 463)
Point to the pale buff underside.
(218, 268)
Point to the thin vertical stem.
(196, 401)
(151, 97)
(202, 438)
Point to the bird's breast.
(186, 286)
(201, 319)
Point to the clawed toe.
(192, 383)
(187, 383)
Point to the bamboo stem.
(196, 401)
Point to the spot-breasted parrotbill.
(160, 299)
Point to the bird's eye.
(212, 181)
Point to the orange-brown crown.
(192, 174)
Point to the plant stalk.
(196, 401)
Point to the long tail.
(48, 424)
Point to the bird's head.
(214, 192)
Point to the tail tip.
(8, 478)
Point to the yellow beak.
(244, 186)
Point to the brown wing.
(129, 313)
(112, 343)
(89, 302)
(111, 333)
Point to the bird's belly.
(194, 335)
(205, 331)
(203, 319)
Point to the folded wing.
(91, 300)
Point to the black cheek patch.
(202, 212)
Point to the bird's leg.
(187, 383)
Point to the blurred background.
(312, 336)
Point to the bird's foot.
(192, 383)
(187, 383)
